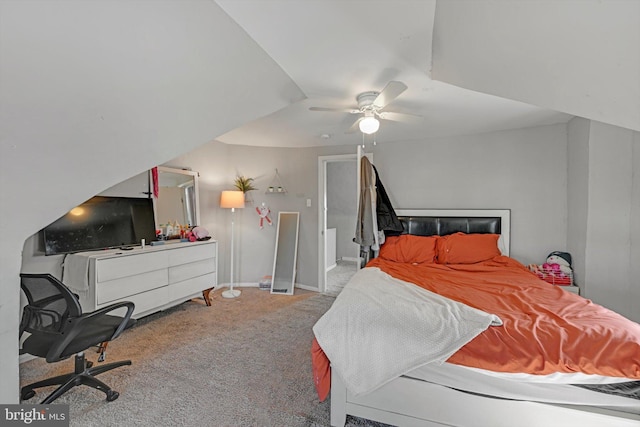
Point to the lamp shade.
(369, 125)
(232, 199)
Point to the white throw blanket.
(380, 327)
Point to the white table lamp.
(232, 200)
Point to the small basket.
(558, 278)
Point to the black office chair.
(59, 330)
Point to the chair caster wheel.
(28, 394)
(89, 364)
(112, 395)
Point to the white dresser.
(153, 278)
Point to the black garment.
(629, 389)
(387, 219)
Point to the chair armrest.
(104, 310)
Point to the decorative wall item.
(263, 212)
(276, 185)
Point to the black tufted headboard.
(430, 222)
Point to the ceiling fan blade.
(340, 110)
(354, 127)
(400, 117)
(391, 91)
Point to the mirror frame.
(295, 255)
(196, 191)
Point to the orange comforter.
(546, 329)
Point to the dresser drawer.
(145, 303)
(183, 272)
(124, 287)
(129, 265)
(188, 254)
(191, 287)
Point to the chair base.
(84, 374)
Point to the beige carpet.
(240, 362)
(338, 276)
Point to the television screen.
(100, 223)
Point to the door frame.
(322, 211)
(322, 206)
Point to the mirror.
(177, 196)
(284, 262)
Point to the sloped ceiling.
(105, 90)
(335, 50)
(581, 57)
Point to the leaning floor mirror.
(284, 262)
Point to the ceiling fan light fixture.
(369, 125)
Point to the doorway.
(338, 255)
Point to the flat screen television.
(101, 223)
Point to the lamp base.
(231, 293)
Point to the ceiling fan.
(371, 106)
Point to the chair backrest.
(50, 304)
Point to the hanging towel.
(75, 273)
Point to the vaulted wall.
(96, 92)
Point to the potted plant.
(245, 185)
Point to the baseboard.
(350, 259)
(255, 285)
(306, 288)
(332, 266)
(238, 285)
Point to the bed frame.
(411, 402)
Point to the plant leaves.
(244, 184)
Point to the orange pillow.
(409, 248)
(461, 248)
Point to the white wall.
(523, 170)
(612, 237)
(96, 92)
(575, 56)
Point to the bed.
(380, 369)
